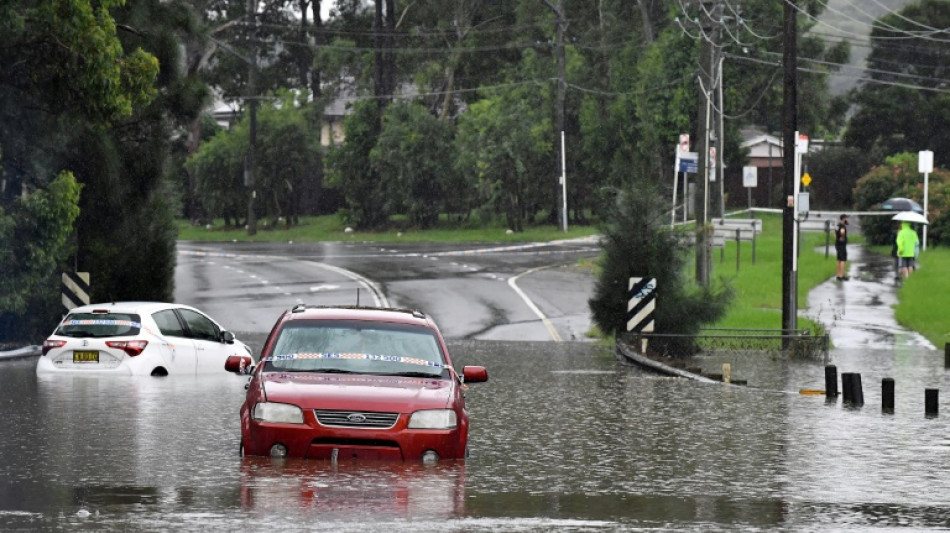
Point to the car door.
(179, 349)
(210, 352)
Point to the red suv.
(355, 383)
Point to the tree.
(905, 105)
(414, 157)
(368, 201)
(836, 170)
(638, 242)
(504, 141)
(33, 243)
(130, 170)
(898, 177)
(66, 79)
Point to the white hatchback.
(139, 338)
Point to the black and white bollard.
(887, 395)
(931, 402)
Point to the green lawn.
(332, 228)
(758, 287)
(923, 303)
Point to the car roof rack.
(299, 308)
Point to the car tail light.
(49, 344)
(132, 348)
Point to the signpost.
(685, 163)
(641, 306)
(750, 179)
(75, 287)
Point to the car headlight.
(433, 419)
(278, 412)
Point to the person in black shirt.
(841, 247)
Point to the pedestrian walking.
(906, 248)
(841, 247)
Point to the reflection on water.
(564, 437)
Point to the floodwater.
(564, 438)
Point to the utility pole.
(707, 77)
(250, 163)
(561, 97)
(789, 149)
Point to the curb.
(19, 353)
(628, 353)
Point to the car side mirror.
(227, 337)
(239, 364)
(474, 374)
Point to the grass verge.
(332, 228)
(758, 286)
(922, 302)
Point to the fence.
(799, 343)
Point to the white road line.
(379, 299)
(513, 283)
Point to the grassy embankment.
(331, 228)
(923, 305)
(758, 287)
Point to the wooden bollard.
(887, 395)
(831, 381)
(946, 355)
(846, 390)
(857, 392)
(931, 402)
(726, 373)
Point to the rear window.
(100, 325)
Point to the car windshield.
(357, 347)
(100, 325)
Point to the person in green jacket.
(906, 248)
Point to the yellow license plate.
(85, 357)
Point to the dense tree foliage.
(70, 91)
(898, 177)
(905, 104)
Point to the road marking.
(513, 283)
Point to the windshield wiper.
(415, 374)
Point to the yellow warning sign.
(806, 180)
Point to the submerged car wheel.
(159, 372)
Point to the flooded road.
(564, 438)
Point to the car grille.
(356, 419)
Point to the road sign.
(641, 305)
(75, 289)
(806, 180)
(750, 176)
(688, 162)
(684, 143)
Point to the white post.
(563, 186)
(925, 164)
(676, 181)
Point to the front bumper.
(313, 441)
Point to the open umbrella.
(900, 204)
(910, 216)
